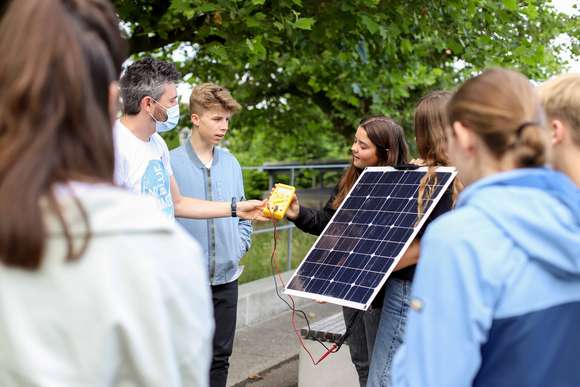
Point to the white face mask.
(172, 119)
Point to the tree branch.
(140, 42)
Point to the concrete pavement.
(263, 348)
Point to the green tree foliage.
(308, 71)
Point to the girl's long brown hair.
(430, 132)
(389, 138)
(58, 60)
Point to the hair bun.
(529, 145)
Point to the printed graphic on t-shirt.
(155, 182)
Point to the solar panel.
(369, 233)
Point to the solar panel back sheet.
(369, 233)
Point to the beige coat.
(135, 310)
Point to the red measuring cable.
(274, 258)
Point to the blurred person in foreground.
(97, 286)
(496, 296)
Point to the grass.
(257, 260)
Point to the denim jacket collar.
(195, 159)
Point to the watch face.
(234, 207)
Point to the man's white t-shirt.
(143, 166)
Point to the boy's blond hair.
(561, 99)
(210, 95)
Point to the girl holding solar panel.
(496, 296)
(379, 141)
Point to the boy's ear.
(559, 131)
(195, 119)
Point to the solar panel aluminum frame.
(356, 305)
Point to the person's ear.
(558, 131)
(146, 104)
(195, 119)
(464, 136)
(113, 101)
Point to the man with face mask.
(151, 106)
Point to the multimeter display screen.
(284, 191)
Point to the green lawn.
(257, 260)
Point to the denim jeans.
(361, 339)
(391, 331)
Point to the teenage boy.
(207, 172)
(150, 106)
(561, 99)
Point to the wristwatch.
(234, 207)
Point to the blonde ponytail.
(502, 108)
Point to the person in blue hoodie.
(204, 171)
(496, 296)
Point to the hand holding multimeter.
(294, 209)
(280, 199)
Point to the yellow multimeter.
(279, 201)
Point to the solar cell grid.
(358, 249)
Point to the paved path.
(283, 375)
(266, 353)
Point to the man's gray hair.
(145, 78)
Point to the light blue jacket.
(496, 296)
(224, 240)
